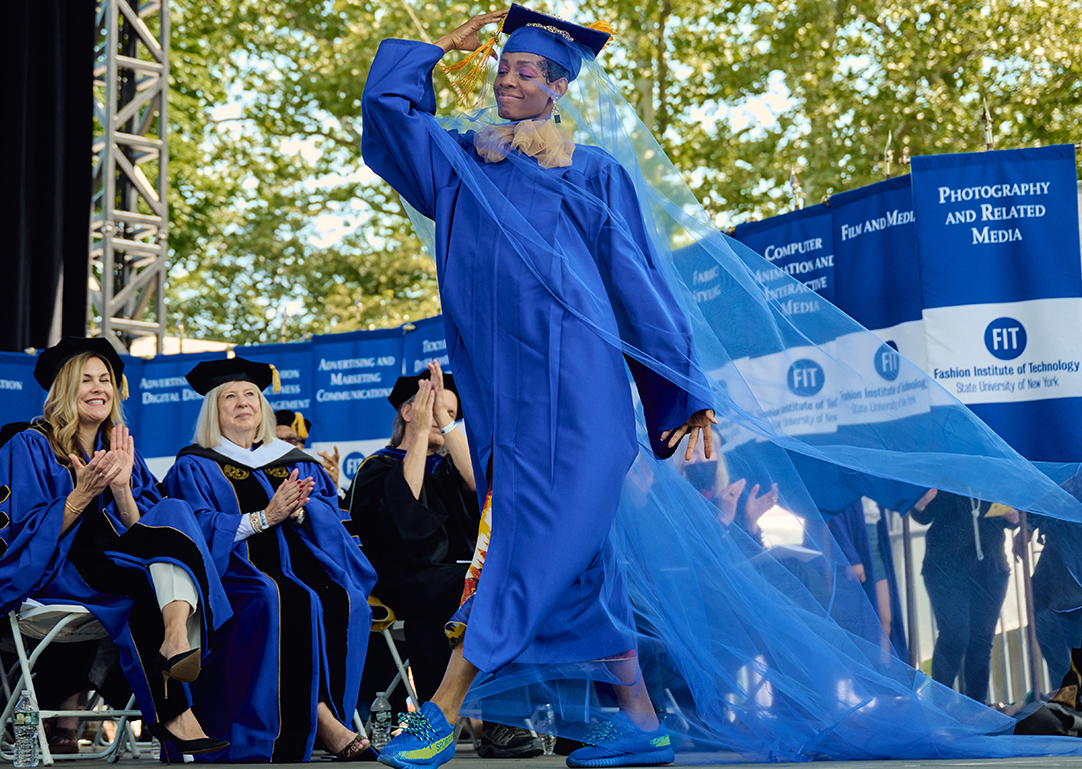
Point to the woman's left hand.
(123, 447)
(699, 421)
(306, 487)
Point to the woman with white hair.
(271, 519)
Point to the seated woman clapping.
(298, 583)
(82, 521)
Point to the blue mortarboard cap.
(555, 39)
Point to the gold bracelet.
(72, 508)
(253, 518)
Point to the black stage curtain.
(47, 59)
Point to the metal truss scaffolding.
(129, 223)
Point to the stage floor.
(557, 762)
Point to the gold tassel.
(298, 425)
(474, 66)
(276, 381)
(123, 387)
(603, 26)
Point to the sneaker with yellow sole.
(620, 743)
(425, 740)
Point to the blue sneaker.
(426, 740)
(620, 743)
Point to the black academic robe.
(417, 546)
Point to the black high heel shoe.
(182, 667)
(187, 747)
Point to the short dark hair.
(552, 71)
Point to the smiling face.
(240, 412)
(94, 403)
(521, 90)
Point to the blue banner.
(353, 375)
(1001, 283)
(876, 275)
(798, 243)
(426, 342)
(997, 227)
(21, 395)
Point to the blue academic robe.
(300, 595)
(101, 564)
(550, 412)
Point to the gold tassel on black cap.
(276, 381)
(123, 387)
(298, 426)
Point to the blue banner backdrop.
(989, 304)
(1001, 284)
(21, 396)
(799, 243)
(338, 381)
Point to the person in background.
(290, 671)
(82, 520)
(293, 427)
(710, 476)
(966, 574)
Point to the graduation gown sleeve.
(647, 313)
(194, 481)
(31, 518)
(395, 143)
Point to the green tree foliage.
(249, 190)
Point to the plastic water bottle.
(381, 721)
(26, 731)
(545, 726)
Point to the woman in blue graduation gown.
(83, 521)
(298, 583)
(551, 416)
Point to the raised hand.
(698, 422)
(290, 495)
(332, 463)
(123, 447)
(466, 37)
(754, 506)
(94, 477)
(730, 495)
(421, 415)
(439, 412)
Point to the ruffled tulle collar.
(542, 140)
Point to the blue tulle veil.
(756, 641)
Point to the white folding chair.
(58, 623)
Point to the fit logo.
(1005, 338)
(805, 377)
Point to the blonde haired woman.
(298, 583)
(82, 521)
